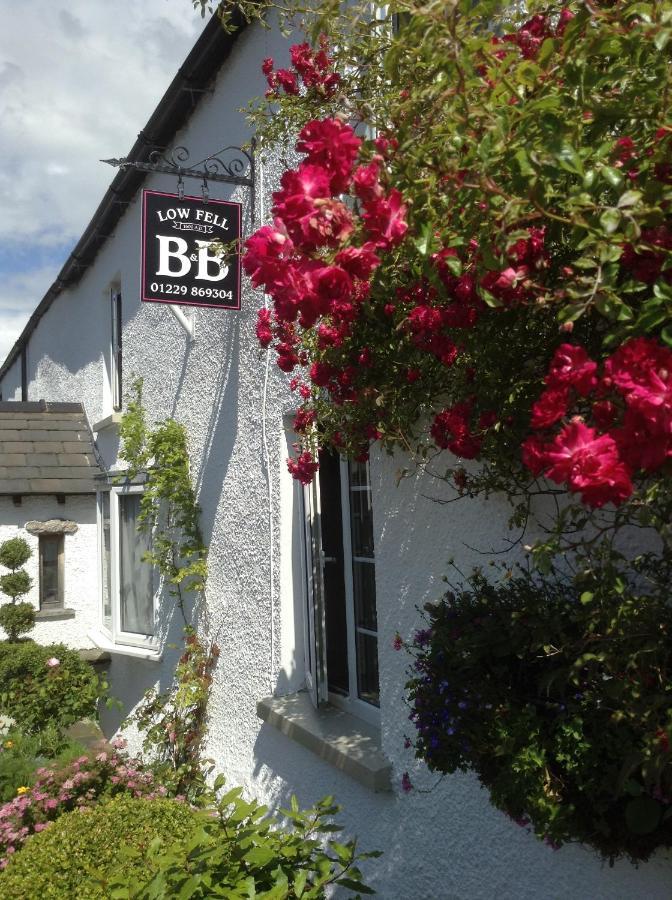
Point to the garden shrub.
(557, 695)
(22, 754)
(59, 789)
(46, 685)
(17, 619)
(241, 852)
(77, 855)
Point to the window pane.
(364, 587)
(367, 668)
(106, 574)
(135, 589)
(331, 525)
(359, 473)
(362, 522)
(364, 583)
(49, 586)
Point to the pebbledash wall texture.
(441, 841)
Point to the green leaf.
(629, 198)
(586, 597)
(661, 38)
(612, 176)
(300, 882)
(610, 220)
(424, 241)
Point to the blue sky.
(78, 80)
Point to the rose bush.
(474, 255)
(396, 264)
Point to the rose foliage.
(492, 273)
(473, 254)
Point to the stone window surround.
(53, 527)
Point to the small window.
(51, 571)
(115, 369)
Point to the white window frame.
(316, 681)
(114, 633)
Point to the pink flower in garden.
(333, 145)
(550, 407)
(303, 468)
(52, 662)
(572, 367)
(263, 328)
(265, 252)
(366, 183)
(406, 783)
(589, 464)
(385, 219)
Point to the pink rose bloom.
(572, 367)
(589, 464)
(550, 407)
(52, 662)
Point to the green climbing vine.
(168, 509)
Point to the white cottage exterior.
(89, 338)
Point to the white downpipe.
(267, 457)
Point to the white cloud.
(78, 80)
(19, 295)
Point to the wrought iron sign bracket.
(228, 166)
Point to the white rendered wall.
(11, 383)
(80, 574)
(441, 845)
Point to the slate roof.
(46, 448)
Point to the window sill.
(349, 744)
(54, 615)
(103, 642)
(111, 421)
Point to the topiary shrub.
(46, 685)
(16, 618)
(77, 855)
(557, 695)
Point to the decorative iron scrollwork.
(228, 165)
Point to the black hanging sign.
(190, 251)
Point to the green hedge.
(75, 856)
(44, 686)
